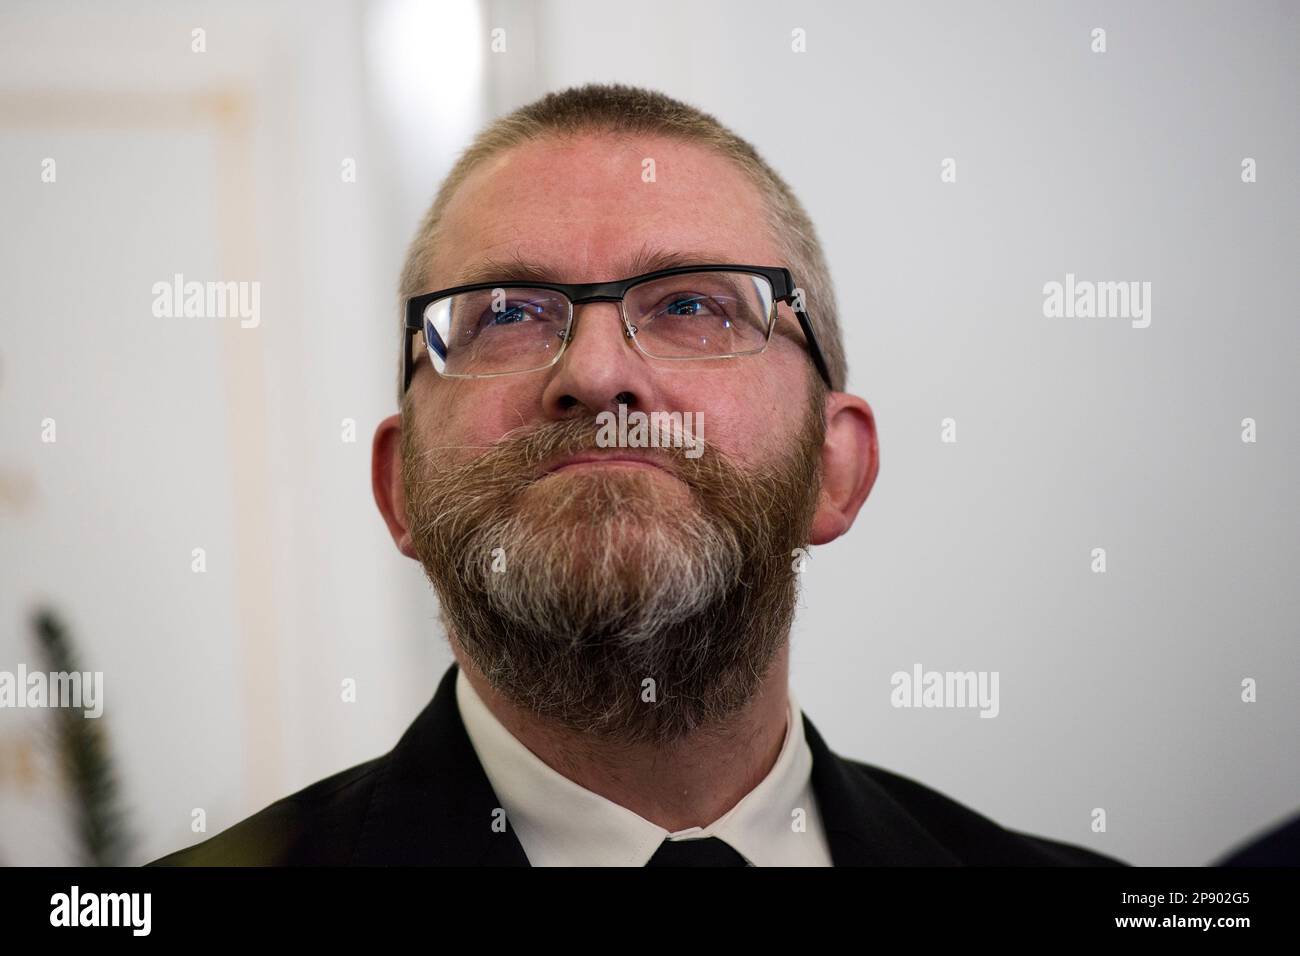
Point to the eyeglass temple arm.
(814, 349)
(408, 361)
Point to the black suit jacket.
(428, 802)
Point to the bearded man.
(619, 612)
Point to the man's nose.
(601, 367)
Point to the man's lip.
(593, 458)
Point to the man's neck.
(691, 783)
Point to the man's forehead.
(592, 208)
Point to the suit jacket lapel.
(433, 803)
(864, 825)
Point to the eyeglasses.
(682, 314)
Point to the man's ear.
(850, 461)
(386, 481)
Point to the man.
(619, 609)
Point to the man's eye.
(689, 304)
(513, 314)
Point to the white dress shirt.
(560, 823)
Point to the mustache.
(521, 456)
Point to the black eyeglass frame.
(778, 277)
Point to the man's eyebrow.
(517, 269)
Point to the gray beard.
(594, 599)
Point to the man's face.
(572, 588)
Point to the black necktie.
(708, 851)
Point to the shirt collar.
(560, 823)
